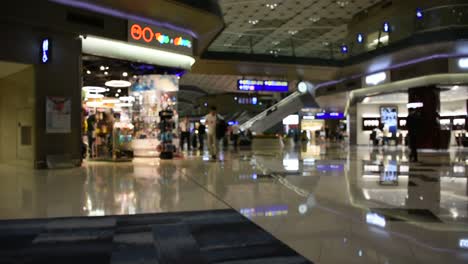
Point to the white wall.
(452, 108)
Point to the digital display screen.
(329, 115)
(262, 86)
(389, 118)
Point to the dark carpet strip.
(220, 236)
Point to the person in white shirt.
(184, 133)
(210, 123)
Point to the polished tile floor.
(332, 203)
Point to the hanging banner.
(58, 115)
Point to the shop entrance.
(129, 109)
(17, 113)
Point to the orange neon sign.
(138, 33)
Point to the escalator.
(276, 113)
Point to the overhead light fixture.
(253, 21)
(102, 68)
(129, 52)
(134, 76)
(342, 3)
(271, 6)
(314, 19)
(325, 43)
(386, 27)
(106, 73)
(463, 63)
(118, 83)
(119, 90)
(454, 88)
(376, 78)
(124, 74)
(344, 49)
(366, 100)
(360, 38)
(88, 72)
(275, 43)
(107, 67)
(292, 32)
(116, 95)
(93, 89)
(107, 89)
(419, 13)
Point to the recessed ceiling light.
(271, 6)
(102, 68)
(119, 90)
(253, 21)
(118, 83)
(292, 32)
(134, 77)
(107, 67)
(314, 18)
(342, 3)
(106, 73)
(325, 43)
(116, 95)
(456, 87)
(124, 74)
(88, 72)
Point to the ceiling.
(302, 28)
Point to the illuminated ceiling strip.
(122, 50)
(120, 14)
(407, 84)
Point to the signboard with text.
(158, 37)
(262, 86)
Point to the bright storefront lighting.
(127, 98)
(94, 104)
(111, 101)
(94, 89)
(122, 50)
(94, 96)
(118, 83)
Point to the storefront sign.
(58, 115)
(154, 36)
(45, 50)
(262, 86)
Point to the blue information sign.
(262, 86)
(329, 115)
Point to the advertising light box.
(262, 86)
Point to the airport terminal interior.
(229, 132)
